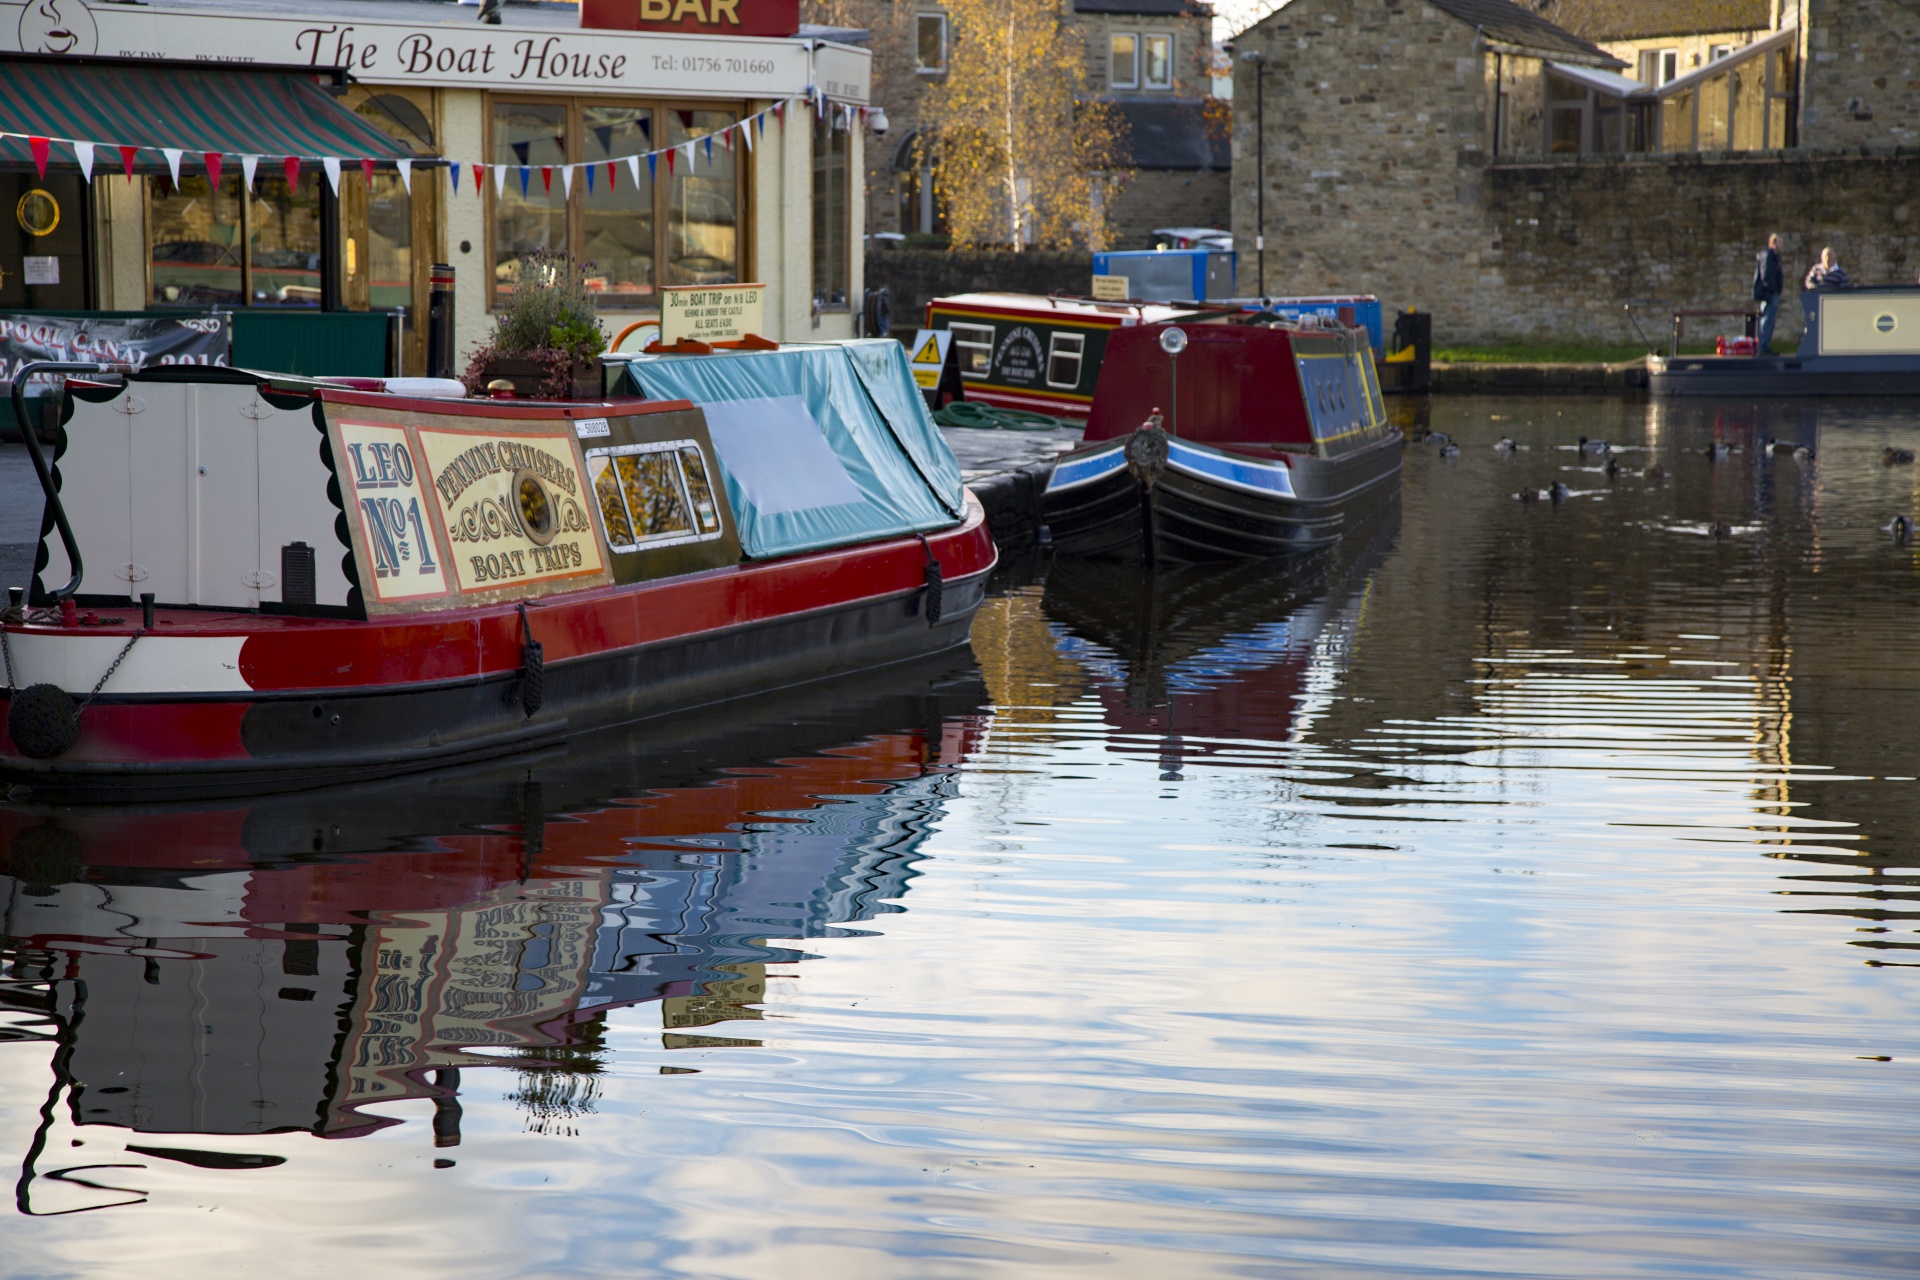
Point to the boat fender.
(533, 669)
(936, 590)
(43, 721)
(1146, 451)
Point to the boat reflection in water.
(280, 965)
(1212, 662)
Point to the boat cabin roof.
(1079, 310)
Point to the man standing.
(1767, 284)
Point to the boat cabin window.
(975, 345)
(1063, 359)
(654, 494)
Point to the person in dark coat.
(1767, 285)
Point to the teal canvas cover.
(819, 445)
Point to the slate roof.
(1172, 134)
(1643, 19)
(1525, 31)
(1147, 8)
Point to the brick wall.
(1862, 82)
(918, 275)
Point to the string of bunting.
(85, 152)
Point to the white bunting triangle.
(633, 167)
(404, 166)
(332, 165)
(83, 152)
(499, 181)
(247, 165)
(686, 149)
(173, 164)
(566, 180)
(746, 133)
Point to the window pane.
(651, 483)
(1063, 359)
(1750, 105)
(389, 244)
(699, 490)
(702, 204)
(1676, 122)
(975, 344)
(1126, 62)
(1158, 59)
(529, 134)
(930, 50)
(193, 234)
(617, 225)
(285, 234)
(1564, 130)
(831, 232)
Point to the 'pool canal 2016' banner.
(442, 516)
(139, 341)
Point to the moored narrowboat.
(1857, 342)
(249, 583)
(1225, 441)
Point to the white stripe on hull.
(157, 664)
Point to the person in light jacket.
(1767, 285)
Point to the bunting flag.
(653, 167)
(687, 147)
(83, 152)
(331, 164)
(709, 151)
(248, 166)
(526, 175)
(480, 179)
(590, 168)
(500, 180)
(213, 169)
(293, 173)
(126, 160)
(406, 175)
(670, 155)
(613, 173)
(453, 173)
(566, 181)
(366, 167)
(546, 178)
(746, 134)
(41, 147)
(173, 155)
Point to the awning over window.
(226, 109)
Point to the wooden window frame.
(576, 205)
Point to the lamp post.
(1258, 61)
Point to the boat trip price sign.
(444, 511)
(711, 312)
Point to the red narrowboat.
(250, 583)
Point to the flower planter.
(529, 374)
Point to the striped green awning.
(228, 109)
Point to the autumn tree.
(1019, 157)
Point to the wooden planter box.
(526, 374)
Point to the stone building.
(1151, 58)
(1465, 157)
(1662, 40)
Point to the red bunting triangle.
(293, 173)
(126, 160)
(366, 167)
(546, 178)
(213, 168)
(479, 179)
(41, 147)
(670, 154)
(612, 178)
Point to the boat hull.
(1733, 377)
(1209, 504)
(226, 704)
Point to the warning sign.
(710, 312)
(928, 356)
(1111, 288)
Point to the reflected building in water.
(284, 965)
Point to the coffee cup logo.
(58, 26)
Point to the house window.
(1156, 62)
(677, 224)
(1063, 359)
(1718, 51)
(1658, 66)
(930, 43)
(832, 198)
(207, 247)
(975, 345)
(1124, 54)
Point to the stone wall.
(916, 276)
(1862, 82)
(1168, 198)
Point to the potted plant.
(546, 335)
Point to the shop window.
(974, 342)
(674, 226)
(1123, 55)
(43, 245)
(283, 242)
(1064, 351)
(703, 204)
(930, 43)
(617, 214)
(195, 242)
(1156, 62)
(832, 198)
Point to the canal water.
(1529, 890)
